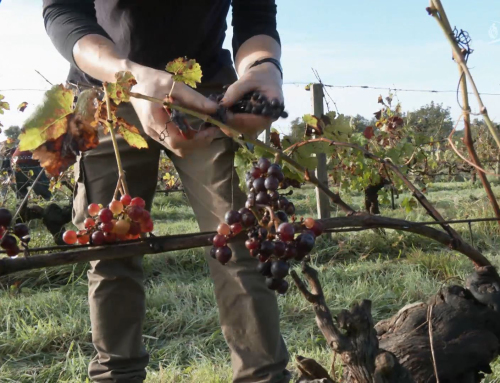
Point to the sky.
(388, 44)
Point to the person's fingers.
(189, 98)
(236, 91)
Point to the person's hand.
(154, 118)
(264, 78)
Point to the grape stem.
(121, 174)
(271, 215)
(240, 138)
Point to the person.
(102, 37)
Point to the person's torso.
(154, 32)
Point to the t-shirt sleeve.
(252, 18)
(67, 21)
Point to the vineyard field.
(44, 319)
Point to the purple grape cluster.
(275, 237)
(255, 103)
(9, 236)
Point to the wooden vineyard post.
(322, 200)
(267, 137)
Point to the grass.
(44, 322)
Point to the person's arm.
(73, 29)
(255, 37)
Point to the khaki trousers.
(248, 310)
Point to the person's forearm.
(98, 57)
(256, 48)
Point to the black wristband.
(269, 60)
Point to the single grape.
(279, 269)
(305, 242)
(223, 254)
(83, 237)
(13, 252)
(286, 231)
(135, 228)
(135, 212)
(147, 226)
(93, 209)
(21, 230)
(267, 248)
(274, 195)
(262, 233)
(248, 107)
(138, 201)
(116, 207)
(263, 198)
(232, 216)
(259, 184)
(279, 248)
(223, 229)
(309, 223)
(262, 98)
(122, 227)
(255, 96)
(244, 210)
(283, 203)
(219, 240)
(252, 244)
(107, 227)
(146, 216)
(273, 283)
(276, 171)
(271, 183)
(283, 287)
(126, 199)
(236, 228)
(255, 172)
(267, 111)
(69, 237)
(89, 222)
(109, 237)
(212, 252)
(5, 217)
(290, 208)
(98, 238)
(291, 251)
(317, 228)
(264, 164)
(105, 215)
(281, 215)
(264, 268)
(248, 219)
(2, 231)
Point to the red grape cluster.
(122, 220)
(271, 237)
(10, 235)
(255, 103)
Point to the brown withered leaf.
(275, 139)
(378, 114)
(368, 132)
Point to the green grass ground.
(45, 329)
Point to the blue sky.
(361, 42)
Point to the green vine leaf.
(3, 105)
(186, 71)
(50, 119)
(119, 90)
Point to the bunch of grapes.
(275, 236)
(10, 235)
(255, 103)
(122, 220)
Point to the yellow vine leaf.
(119, 90)
(186, 71)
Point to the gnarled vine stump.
(465, 334)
